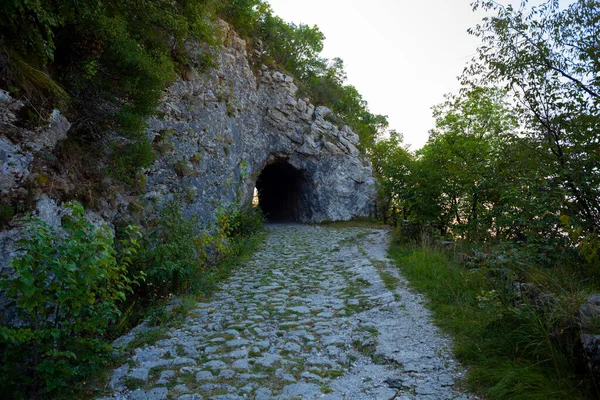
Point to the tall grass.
(509, 348)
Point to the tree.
(456, 175)
(392, 164)
(296, 48)
(548, 58)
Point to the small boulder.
(591, 354)
(589, 313)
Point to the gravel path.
(310, 316)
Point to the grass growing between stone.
(389, 280)
(509, 349)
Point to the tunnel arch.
(284, 192)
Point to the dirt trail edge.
(308, 317)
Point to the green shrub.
(409, 232)
(183, 168)
(110, 60)
(178, 257)
(65, 293)
(244, 14)
(196, 158)
(241, 222)
(587, 244)
(172, 254)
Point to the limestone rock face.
(19, 146)
(218, 130)
(215, 132)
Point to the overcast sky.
(402, 55)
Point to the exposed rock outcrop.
(220, 129)
(589, 318)
(214, 133)
(19, 146)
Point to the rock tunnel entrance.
(283, 192)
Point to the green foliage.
(7, 211)
(511, 168)
(548, 58)
(296, 48)
(505, 163)
(171, 255)
(127, 159)
(31, 25)
(325, 86)
(392, 165)
(232, 227)
(182, 168)
(239, 223)
(587, 244)
(477, 178)
(65, 293)
(413, 233)
(111, 59)
(244, 15)
(177, 256)
(458, 170)
(35, 83)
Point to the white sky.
(401, 55)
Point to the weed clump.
(66, 293)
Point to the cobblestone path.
(308, 317)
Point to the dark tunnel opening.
(281, 194)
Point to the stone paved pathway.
(308, 317)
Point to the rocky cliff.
(218, 134)
(221, 129)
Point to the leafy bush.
(244, 14)
(172, 253)
(231, 229)
(126, 160)
(31, 25)
(409, 232)
(178, 257)
(241, 222)
(65, 293)
(588, 245)
(175, 252)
